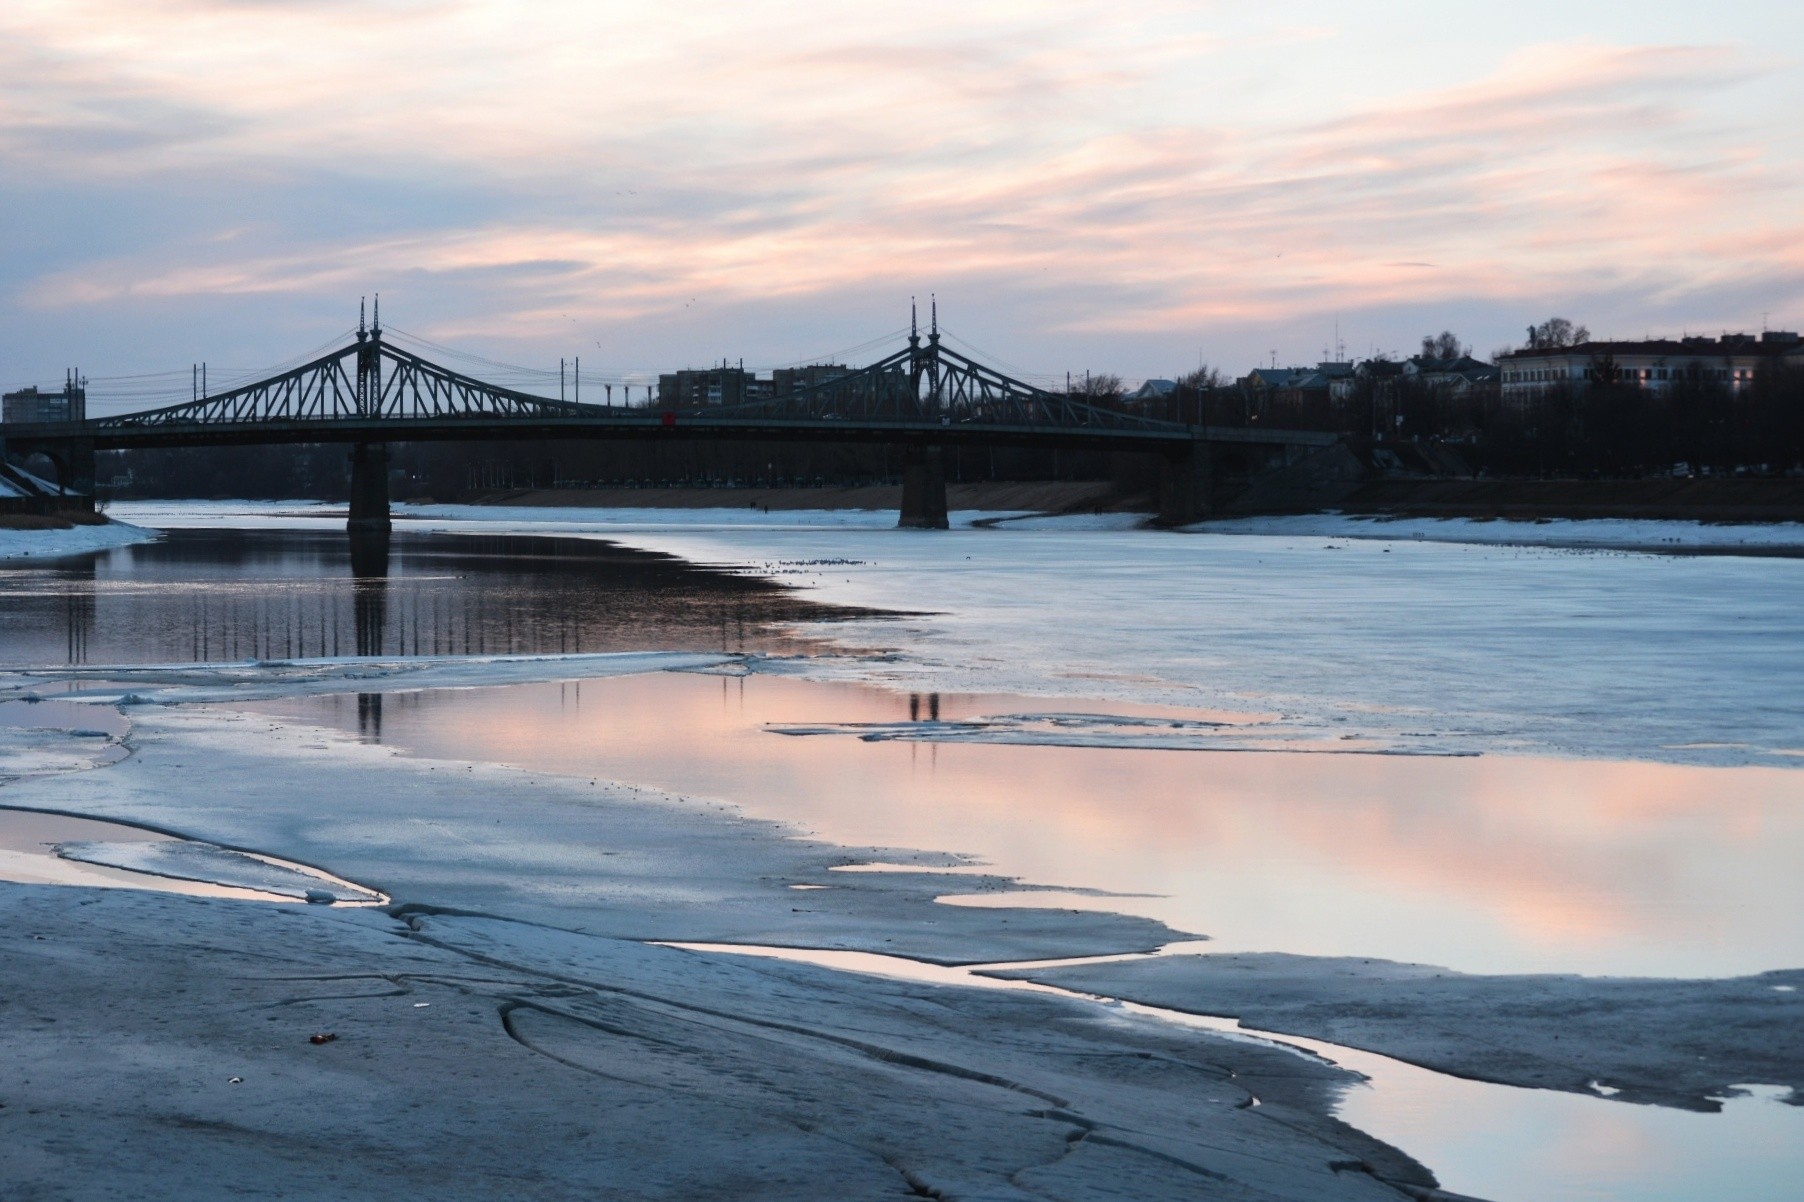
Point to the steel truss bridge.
(922, 398)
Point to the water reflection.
(209, 595)
(369, 605)
(1488, 864)
(369, 588)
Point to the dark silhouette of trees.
(1554, 333)
(1104, 386)
(1445, 345)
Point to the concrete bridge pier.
(923, 489)
(74, 461)
(369, 487)
(1186, 480)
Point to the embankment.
(1031, 496)
(1659, 498)
(1665, 499)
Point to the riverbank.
(510, 1027)
(1700, 499)
(1030, 496)
(1656, 498)
(32, 537)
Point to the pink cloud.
(1071, 152)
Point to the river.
(1486, 830)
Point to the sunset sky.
(1086, 185)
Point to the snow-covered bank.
(476, 1058)
(1624, 534)
(507, 1007)
(77, 540)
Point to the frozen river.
(1500, 759)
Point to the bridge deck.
(114, 434)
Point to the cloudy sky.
(1086, 184)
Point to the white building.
(1655, 364)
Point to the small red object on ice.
(669, 418)
(326, 1038)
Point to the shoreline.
(567, 978)
(507, 959)
(74, 539)
(1731, 500)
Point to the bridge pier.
(369, 487)
(73, 460)
(1186, 480)
(923, 489)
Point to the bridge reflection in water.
(369, 609)
(223, 595)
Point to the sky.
(1084, 185)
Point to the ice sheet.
(190, 860)
(172, 684)
(476, 1059)
(1405, 644)
(1668, 536)
(1101, 730)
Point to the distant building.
(1656, 364)
(1152, 390)
(1451, 376)
(1297, 386)
(690, 388)
(786, 380)
(34, 405)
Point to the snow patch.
(1602, 533)
(172, 684)
(194, 861)
(77, 540)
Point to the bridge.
(923, 398)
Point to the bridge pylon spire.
(376, 318)
(933, 330)
(361, 332)
(914, 323)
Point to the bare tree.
(1203, 379)
(1554, 333)
(1104, 386)
(1445, 345)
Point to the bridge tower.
(369, 460)
(923, 464)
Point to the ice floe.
(172, 684)
(190, 860)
